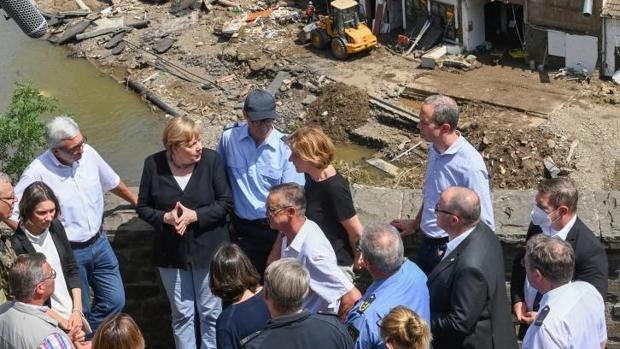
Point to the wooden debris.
(98, 32)
(571, 151)
(118, 49)
(406, 151)
(115, 40)
(431, 58)
(258, 14)
(550, 167)
(73, 30)
(136, 86)
(275, 84)
(384, 166)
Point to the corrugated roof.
(611, 8)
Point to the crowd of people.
(258, 245)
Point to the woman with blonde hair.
(118, 332)
(184, 194)
(328, 197)
(402, 328)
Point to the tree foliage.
(22, 132)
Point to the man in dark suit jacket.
(555, 214)
(469, 305)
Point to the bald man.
(469, 305)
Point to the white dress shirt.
(454, 243)
(575, 319)
(327, 281)
(79, 189)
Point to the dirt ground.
(206, 75)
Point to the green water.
(117, 123)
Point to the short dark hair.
(231, 273)
(293, 195)
(562, 191)
(34, 194)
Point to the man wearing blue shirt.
(396, 281)
(256, 158)
(452, 161)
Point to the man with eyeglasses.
(452, 161)
(555, 214)
(80, 177)
(256, 157)
(7, 255)
(396, 281)
(23, 321)
(302, 239)
(469, 304)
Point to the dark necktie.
(537, 299)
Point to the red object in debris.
(403, 40)
(254, 15)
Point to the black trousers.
(430, 252)
(255, 238)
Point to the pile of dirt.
(514, 158)
(339, 109)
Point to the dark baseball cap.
(260, 105)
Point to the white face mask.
(541, 219)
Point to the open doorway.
(503, 24)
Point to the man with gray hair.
(452, 161)
(286, 285)
(555, 214)
(79, 178)
(24, 322)
(469, 305)
(302, 239)
(396, 281)
(7, 255)
(572, 314)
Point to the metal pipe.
(587, 8)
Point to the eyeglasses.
(273, 211)
(437, 210)
(9, 199)
(51, 276)
(76, 149)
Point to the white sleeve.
(326, 278)
(108, 178)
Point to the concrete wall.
(147, 303)
(565, 15)
(611, 40)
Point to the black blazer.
(70, 269)
(469, 304)
(207, 192)
(590, 260)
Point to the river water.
(116, 121)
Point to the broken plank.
(275, 84)
(98, 32)
(384, 166)
(73, 30)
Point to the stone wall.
(147, 302)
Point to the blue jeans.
(188, 290)
(99, 270)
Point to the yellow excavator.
(343, 30)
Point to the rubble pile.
(516, 158)
(339, 109)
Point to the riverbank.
(206, 75)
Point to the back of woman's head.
(312, 145)
(402, 328)
(118, 332)
(231, 273)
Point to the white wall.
(473, 23)
(611, 39)
(579, 51)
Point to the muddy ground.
(206, 75)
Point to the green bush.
(22, 132)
